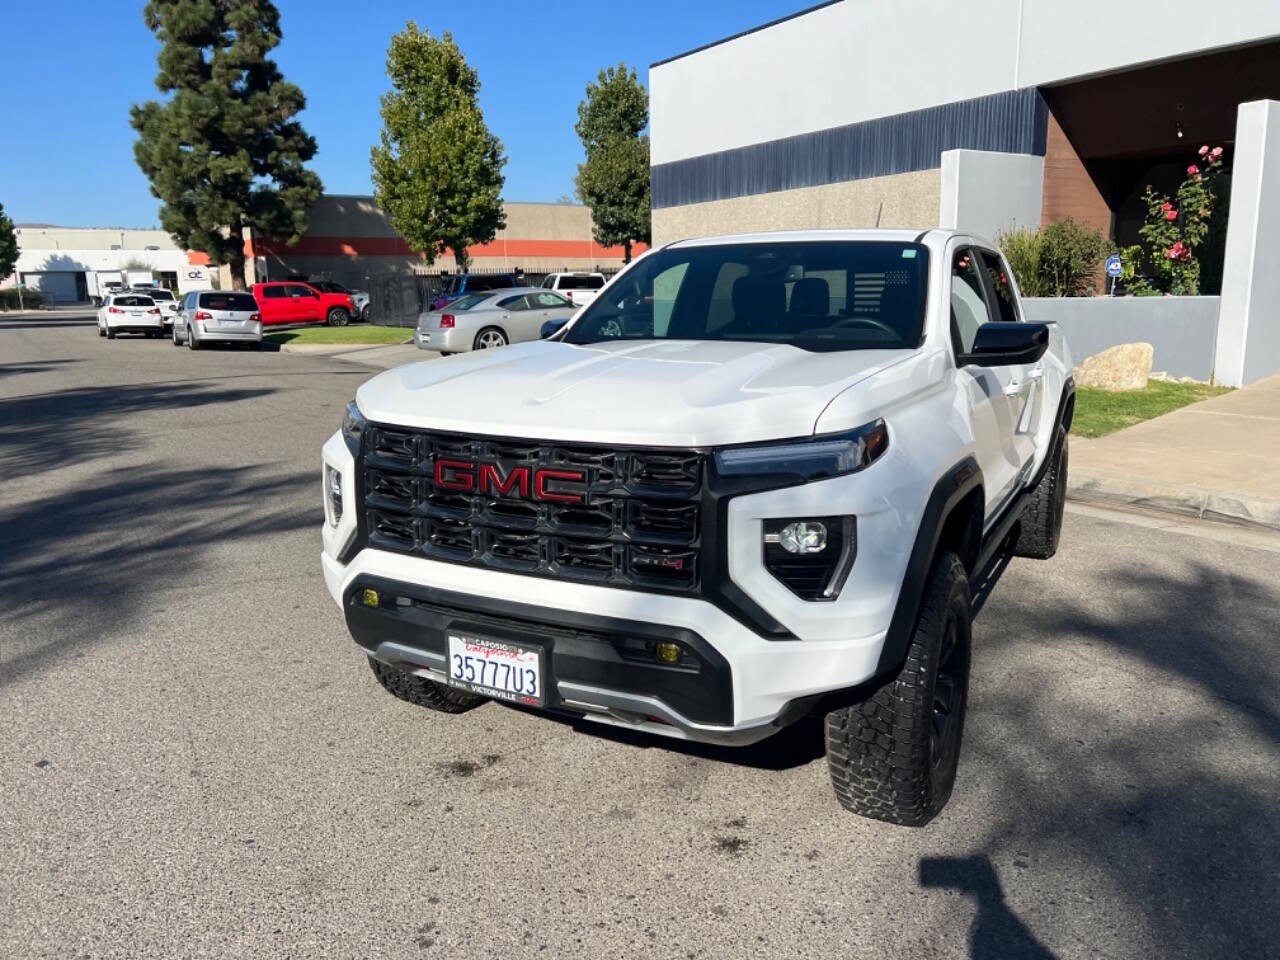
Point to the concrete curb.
(1093, 487)
(326, 348)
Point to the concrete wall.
(91, 238)
(1181, 329)
(902, 200)
(984, 192)
(1249, 333)
(857, 60)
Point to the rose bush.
(1175, 228)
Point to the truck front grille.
(634, 519)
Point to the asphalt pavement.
(196, 761)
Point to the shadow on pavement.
(50, 430)
(996, 932)
(1167, 801)
(95, 556)
(33, 366)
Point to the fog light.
(667, 652)
(370, 598)
(802, 536)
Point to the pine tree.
(225, 150)
(614, 181)
(438, 170)
(8, 245)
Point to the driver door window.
(968, 300)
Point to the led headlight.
(827, 455)
(333, 493)
(353, 424)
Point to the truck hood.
(679, 393)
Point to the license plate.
(496, 668)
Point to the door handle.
(1036, 374)
(1013, 389)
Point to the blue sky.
(69, 81)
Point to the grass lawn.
(1100, 412)
(362, 333)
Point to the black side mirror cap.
(1001, 344)
(550, 328)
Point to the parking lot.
(198, 763)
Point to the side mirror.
(1000, 344)
(551, 328)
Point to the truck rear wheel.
(424, 693)
(893, 757)
(1040, 528)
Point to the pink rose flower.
(1166, 205)
(1192, 170)
(1215, 153)
(1171, 214)
(1203, 150)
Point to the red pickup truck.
(296, 302)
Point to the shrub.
(1059, 260)
(30, 299)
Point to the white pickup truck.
(752, 482)
(578, 288)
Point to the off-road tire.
(422, 692)
(885, 759)
(1041, 525)
(337, 317)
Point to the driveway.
(197, 762)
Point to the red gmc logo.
(529, 483)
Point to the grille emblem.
(527, 483)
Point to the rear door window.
(241, 302)
(273, 293)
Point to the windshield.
(821, 296)
(451, 285)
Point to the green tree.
(614, 180)
(8, 245)
(224, 151)
(438, 170)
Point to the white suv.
(578, 288)
(753, 481)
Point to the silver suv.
(213, 316)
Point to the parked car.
(295, 302)
(461, 283)
(129, 312)
(359, 297)
(482, 321)
(167, 303)
(209, 316)
(578, 288)
(758, 480)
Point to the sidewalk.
(382, 356)
(1217, 459)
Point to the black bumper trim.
(585, 649)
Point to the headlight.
(830, 455)
(353, 424)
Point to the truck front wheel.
(893, 756)
(424, 693)
(1040, 528)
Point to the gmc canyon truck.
(753, 481)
